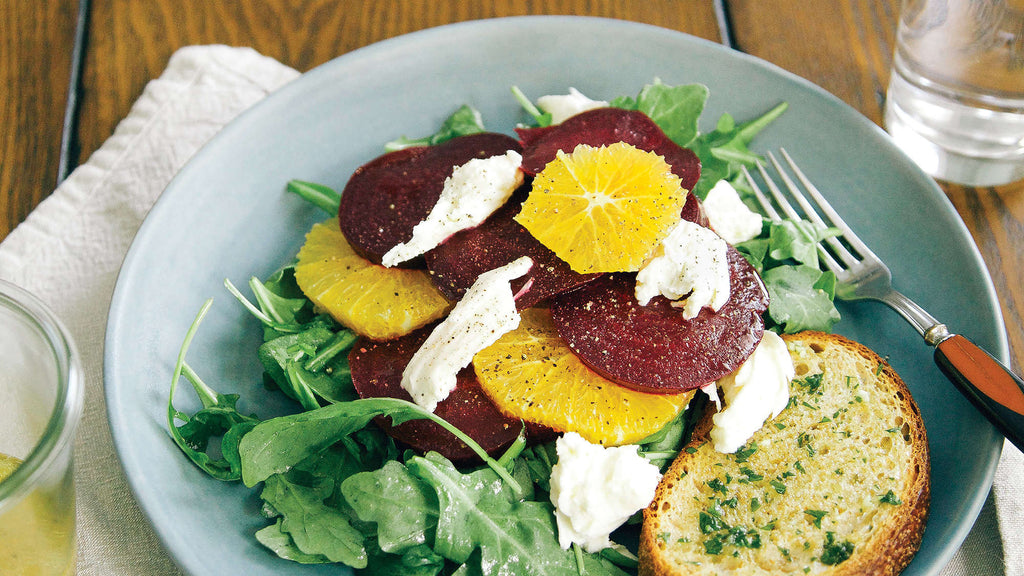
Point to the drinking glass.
(956, 94)
(41, 393)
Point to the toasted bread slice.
(836, 484)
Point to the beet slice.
(465, 255)
(693, 210)
(653, 348)
(602, 127)
(377, 372)
(386, 197)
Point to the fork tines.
(840, 254)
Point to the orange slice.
(531, 373)
(603, 209)
(371, 300)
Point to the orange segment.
(603, 209)
(373, 301)
(531, 373)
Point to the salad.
(362, 476)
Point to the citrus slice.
(603, 209)
(531, 373)
(371, 300)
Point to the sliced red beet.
(377, 372)
(385, 198)
(464, 256)
(653, 348)
(602, 127)
(693, 211)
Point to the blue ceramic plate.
(226, 216)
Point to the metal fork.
(991, 387)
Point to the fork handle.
(996, 391)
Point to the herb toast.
(836, 484)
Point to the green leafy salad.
(336, 489)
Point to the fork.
(993, 389)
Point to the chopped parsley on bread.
(836, 484)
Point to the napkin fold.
(69, 250)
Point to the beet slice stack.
(385, 198)
(463, 257)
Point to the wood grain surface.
(130, 42)
(844, 47)
(35, 62)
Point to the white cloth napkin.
(70, 248)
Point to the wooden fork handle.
(989, 385)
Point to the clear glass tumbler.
(41, 392)
(956, 94)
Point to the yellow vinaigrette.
(37, 533)
(8, 464)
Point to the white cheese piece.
(756, 392)
(568, 105)
(596, 489)
(486, 311)
(729, 216)
(692, 261)
(471, 194)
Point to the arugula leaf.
(280, 542)
(725, 149)
(798, 240)
(302, 354)
(282, 310)
(669, 436)
(472, 567)
(218, 417)
(282, 282)
(541, 119)
(404, 507)
(663, 446)
(621, 556)
(279, 314)
(798, 302)
(786, 257)
(310, 363)
(675, 109)
(370, 448)
(194, 435)
(466, 120)
(478, 511)
(755, 251)
(278, 444)
(275, 445)
(229, 446)
(827, 284)
(315, 528)
(539, 459)
(417, 561)
(323, 197)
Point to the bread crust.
(891, 544)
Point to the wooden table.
(103, 53)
